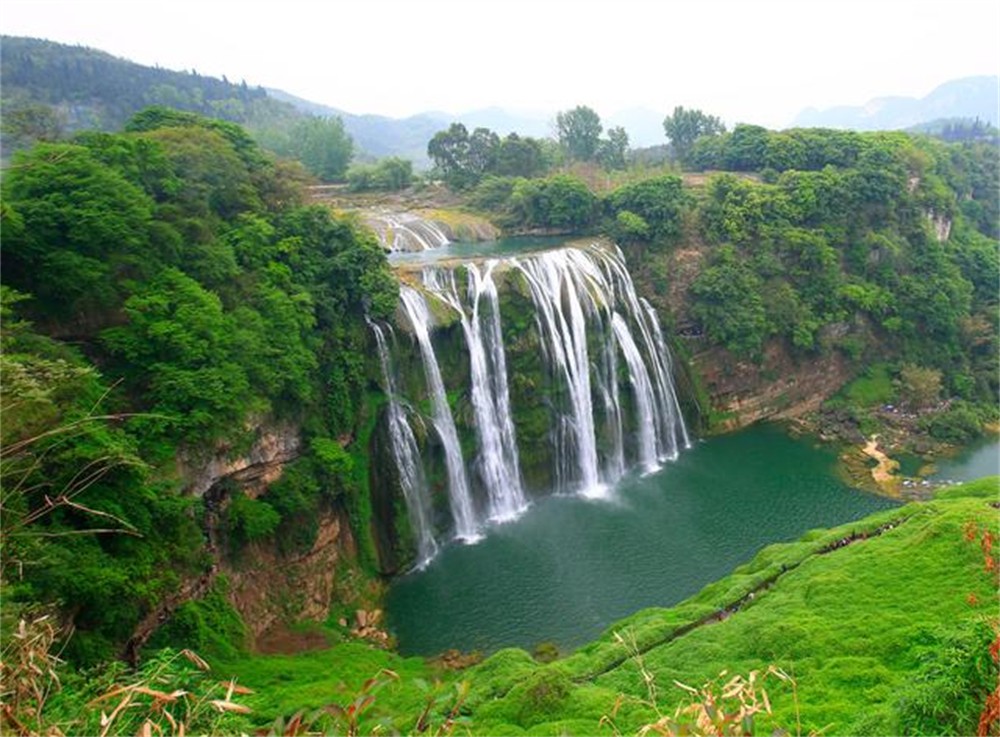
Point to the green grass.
(872, 388)
(862, 628)
(285, 684)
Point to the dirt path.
(885, 472)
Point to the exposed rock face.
(779, 388)
(269, 589)
(940, 224)
(741, 392)
(274, 446)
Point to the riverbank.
(850, 631)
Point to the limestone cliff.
(269, 587)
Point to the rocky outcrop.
(273, 446)
(940, 225)
(269, 588)
(780, 387)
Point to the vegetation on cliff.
(166, 293)
(877, 247)
(52, 91)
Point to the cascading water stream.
(497, 462)
(588, 316)
(406, 232)
(670, 411)
(462, 509)
(558, 281)
(407, 456)
(642, 390)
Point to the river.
(569, 567)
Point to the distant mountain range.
(969, 97)
(88, 88)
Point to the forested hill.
(169, 270)
(51, 91)
(90, 89)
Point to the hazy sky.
(755, 61)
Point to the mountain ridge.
(965, 97)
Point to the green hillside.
(885, 625)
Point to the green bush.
(543, 695)
(958, 424)
(249, 519)
(949, 687)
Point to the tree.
(72, 227)
(747, 148)
(656, 201)
(579, 132)
(519, 157)
(449, 149)
(611, 151)
(323, 146)
(24, 124)
(685, 127)
(919, 387)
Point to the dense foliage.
(52, 90)
(177, 283)
(462, 159)
(884, 229)
(389, 174)
(881, 246)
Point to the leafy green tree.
(747, 148)
(389, 174)
(25, 124)
(519, 157)
(323, 146)
(81, 226)
(483, 146)
(561, 202)
(449, 150)
(629, 228)
(579, 132)
(180, 347)
(728, 303)
(919, 387)
(684, 127)
(611, 152)
(658, 201)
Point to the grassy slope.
(850, 625)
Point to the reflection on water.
(570, 567)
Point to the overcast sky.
(753, 61)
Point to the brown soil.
(280, 640)
(884, 474)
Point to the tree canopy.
(684, 127)
(579, 132)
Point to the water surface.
(570, 567)
(500, 248)
(978, 460)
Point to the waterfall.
(407, 456)
(643, 390)
(458, 486)
(670, 409)
(559, 281)
(404, 231)
(497, 462)
(606, 385)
